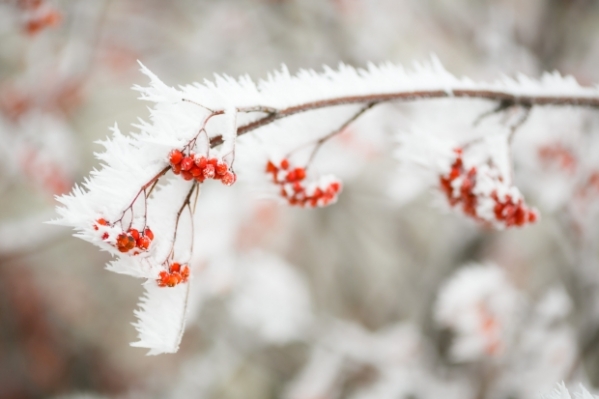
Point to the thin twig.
(185, 203)
(502, 106)
(152, 188)
(151, 183)
(519, 122)
(200, 105)
(259, 108)
(195, 200)
(322, 140)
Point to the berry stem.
(324, 139)
(514, 127)
(151, 183)
(186, 203)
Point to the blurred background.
(369, 269)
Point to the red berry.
(209, 171)
(134, 233)
(143, 242)
(174, 279)
(291, 176)
(195, 171)
(271, 168)
(229, 179)
(186, 175)
(185, 273)
(498, 211)
(187, 163)
(446, 186)
(284, 164)
(101, 222)
(455, 172)
(175, 267)
(201, 162)
(300, 173)
(532, 216)
(162, 281)
(222, 169)
(177, 169)
(175, 157)
(105, 236)
(125, 242)
(467, 185)
(520, 216)
(149, 233)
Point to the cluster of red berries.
(460, 187)
(297, 191)
(513, 213)
(43, 171)
(557, 154)
(200, 168)
(38, 15)
(132, 239)
(176, 274)
(590, 185)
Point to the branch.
(492, 95)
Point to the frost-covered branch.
(506, 97)
(133, 207)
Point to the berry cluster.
(176, 274)
(297, 191)
(38, 15)
(590, 185)
(512, 212)
(200, 168)
(558, 155)
(132, 239)
(483, 195)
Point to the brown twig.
(186, 203)
(492, 95)
(151, 184)
(514, 127)
(324, 139)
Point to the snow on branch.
(161, 318)
(561, 392)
